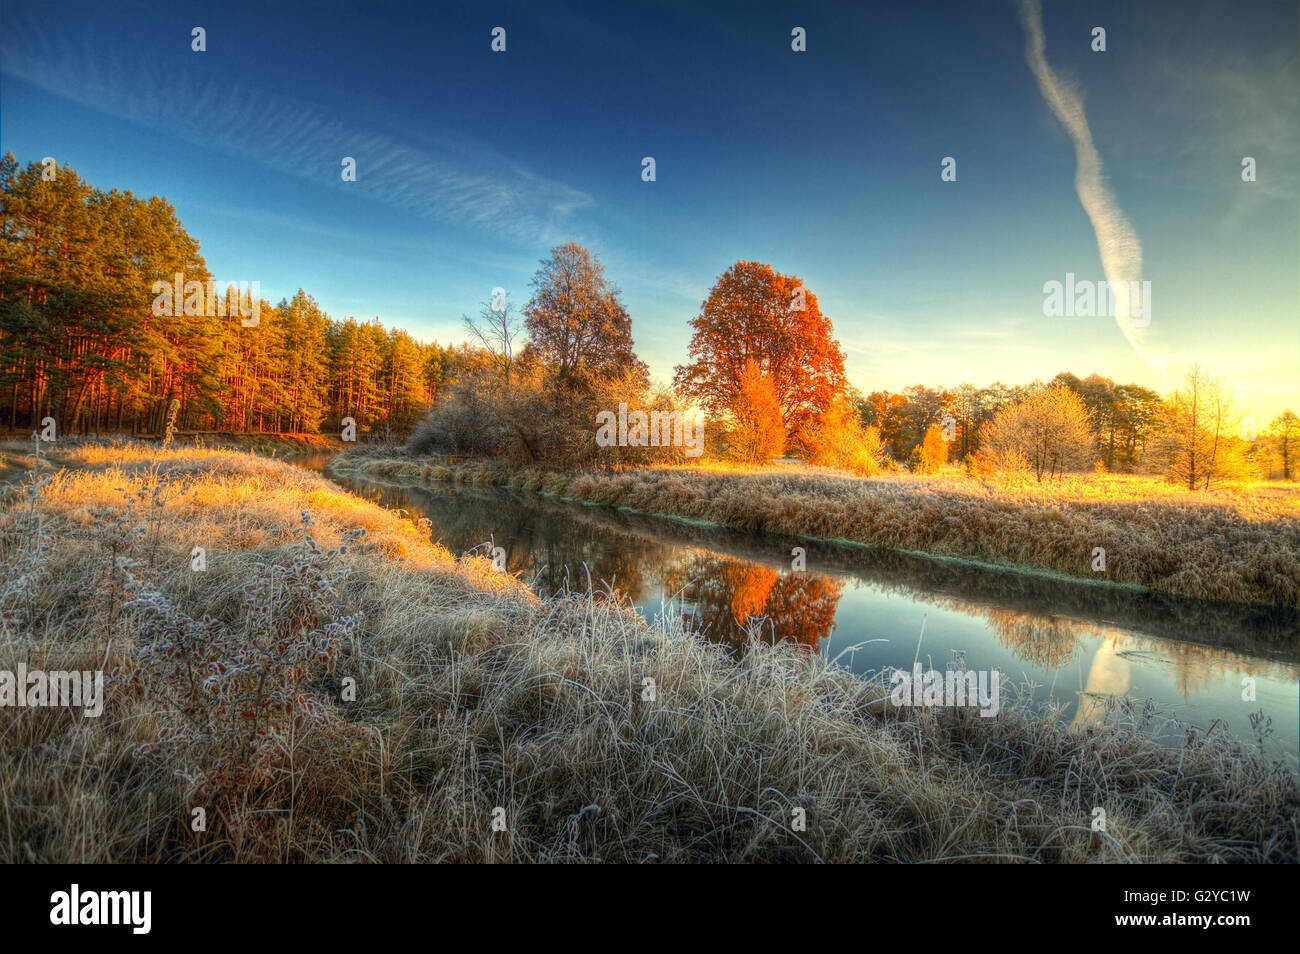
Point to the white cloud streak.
(1117, 241)
(465, 183)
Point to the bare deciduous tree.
(1198, 444)
(497, 330)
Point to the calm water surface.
(1077, 645)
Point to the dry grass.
(1236, 545)
(472, 694)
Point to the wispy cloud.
(465, 183)
(1117, 241)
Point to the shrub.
(932, 453)
(838, 438)
(978, 466)
(232, 703)
(541, 419)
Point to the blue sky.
(472, 164)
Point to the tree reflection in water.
(731, 599)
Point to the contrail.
(1121, 250)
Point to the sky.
(826, 163)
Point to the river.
(1077, 645)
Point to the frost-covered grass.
(228, 691)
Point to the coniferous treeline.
(81, 342)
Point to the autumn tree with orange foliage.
(754, 313)
(757, 430)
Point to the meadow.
(332, 686)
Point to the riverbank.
(1240, 546)
(273, 444)
(14, 449)
(324, 696)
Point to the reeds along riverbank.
(325, 694)
(1237, 546)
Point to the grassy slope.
(1229, 546)
(474, 694)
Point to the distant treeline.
(1124, 417)
(86, 339)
